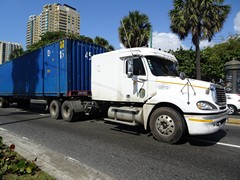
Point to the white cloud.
(166, 41)
(237, 22)
(170, 41)
(206, 43)
(121, 46)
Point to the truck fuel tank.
(125, 113)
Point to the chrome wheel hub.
(165, 125)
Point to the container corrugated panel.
(22, 76)
(79, 64)
(68, 67)
(51, 64)
(60, 69)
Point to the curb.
(233, 121)
(55, 164)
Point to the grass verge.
(15, 167)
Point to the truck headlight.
(204, 105)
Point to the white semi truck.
(142, 86)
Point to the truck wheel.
(232, 109)
(167, 125)
(55, 109)
(68, 113)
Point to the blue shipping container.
(60, 69)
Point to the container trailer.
(136, 86)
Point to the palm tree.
(85, 39)
(134, 30)
(103, 42)
(201, 18)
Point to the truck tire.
(55, 109)
(167, 125)
(232, 110)
(68, 113)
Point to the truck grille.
(219, 95)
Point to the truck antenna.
(127, 37)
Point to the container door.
(51, 70)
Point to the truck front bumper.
(205, 124)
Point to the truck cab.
(142, 86)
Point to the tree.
(214, 58)
(85, 39)
(47, 38)
(51, 37)
(103, 42)
(134, 30)
(201, 18)
(16, 53)
(185, 61)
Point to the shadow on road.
(205, 140)
(33, 109)
(20, 121)
(134, 130)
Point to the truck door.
(136, 84)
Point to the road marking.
(25, 138)
(21, 110)
(230, 145)
(3, 129)
(73, 159)
(219, 143)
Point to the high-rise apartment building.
(33, 29)
(54, 17)
(6, 49)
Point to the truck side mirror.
(130, 68)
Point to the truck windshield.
(161, 67)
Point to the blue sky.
(102, 18)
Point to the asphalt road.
(125, 152)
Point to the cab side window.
(135, 66)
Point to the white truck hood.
(169, 80)
(182, 93)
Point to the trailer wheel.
(2, 102)
(68, 113)
(167, 125)
(55, 109)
